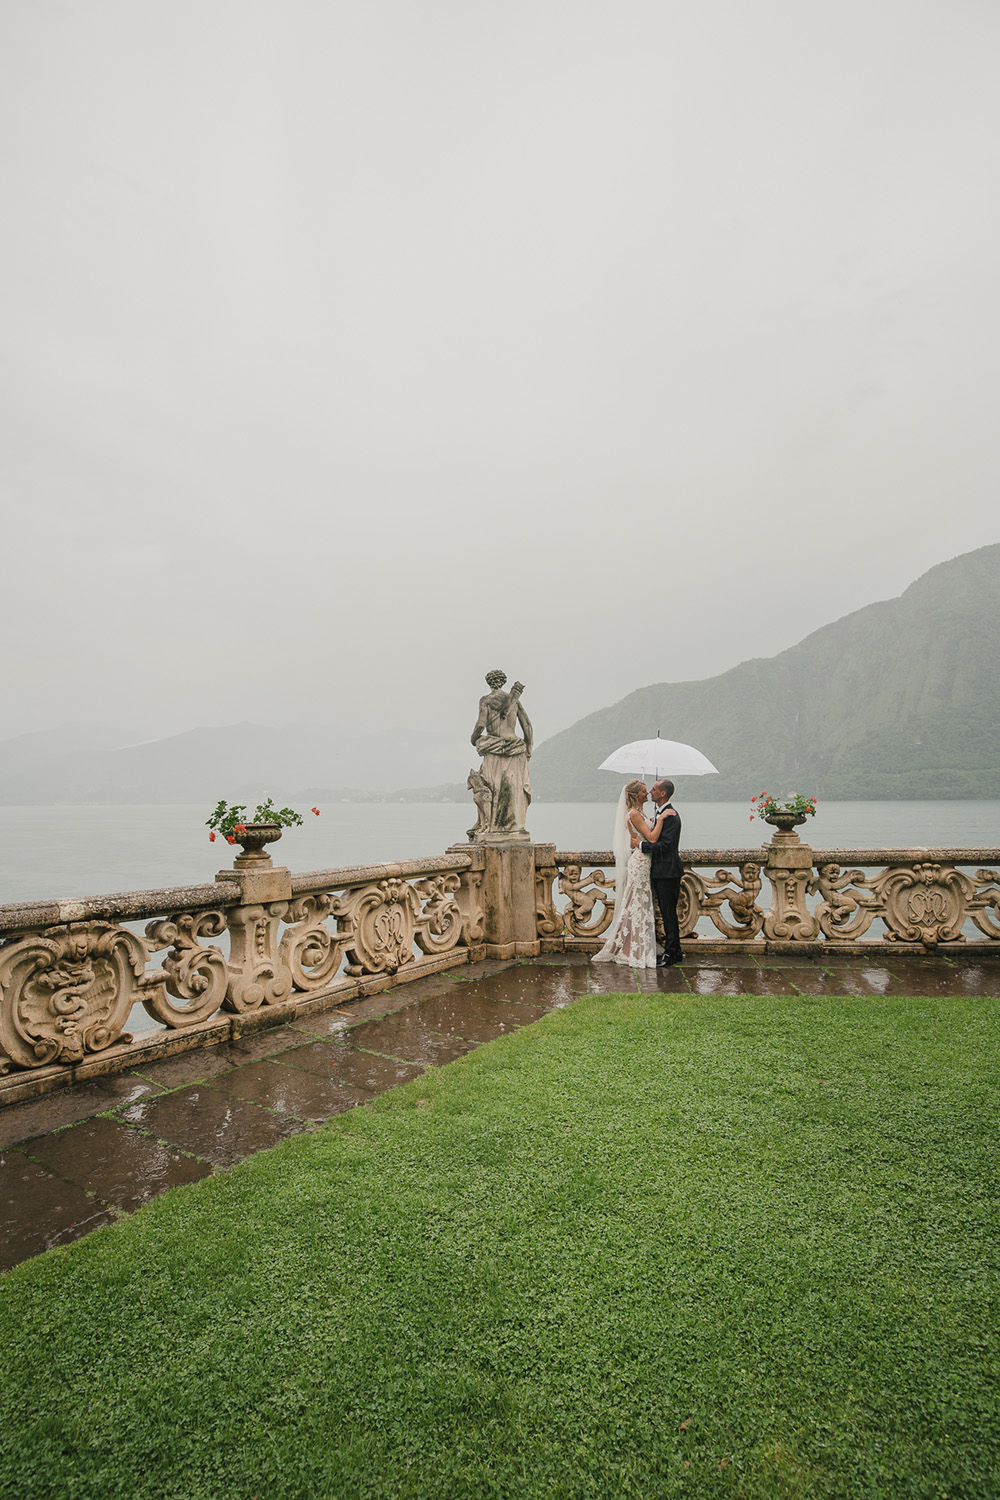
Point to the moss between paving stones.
(647, 1247)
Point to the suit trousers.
(667, 892)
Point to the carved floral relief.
(67, 991)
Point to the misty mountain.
(45, 748)
(97, 764)
(900, 699)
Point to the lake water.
(84, 851)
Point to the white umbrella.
(658, 758)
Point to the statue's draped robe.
(505, 764)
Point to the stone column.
(789, 869)
(258, 975)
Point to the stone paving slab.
(290, 1091)
(191, 1067)
(21, 1122)
(211, 1125)
(694, 959)
(672, 981)
(977, 979)
(274, 1043)
(789, 961)
(372, 1008)
(536, 983)
(122, 1167)
(476, 1017)
(351, 1067)
(402, 1035)
(39, 1210)
(900, 978)
(739, 981)
(612, 979)
(205, 1062)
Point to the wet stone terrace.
(72, 1161)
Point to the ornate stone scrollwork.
(66, 991)
(927, 903)
(470, 904)
(548, 921)
(705, 895)
(849, 903)
(584, 892)
(789, 870)
(380, 922)
(258, 975)
(192, 972)
(984, 908)
(689, 904)
(308, 948)
(439, 925)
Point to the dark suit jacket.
(666, 863)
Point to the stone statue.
(502, 790)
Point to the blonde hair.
(632, 791)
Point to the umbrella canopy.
(658, 758)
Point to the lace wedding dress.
(632, 939)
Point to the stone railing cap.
(329, 880)
(117, 906)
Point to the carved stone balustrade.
(253, 948)
(260, 946)
(922, 899)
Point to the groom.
(665, 871)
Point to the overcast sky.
(352, 349)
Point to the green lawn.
(648, 1247)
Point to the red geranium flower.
(240, 828)
(316, 811)
(230, 839)
(211, 838)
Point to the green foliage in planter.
(227, 818)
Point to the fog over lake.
(352, 350)
(85, 851)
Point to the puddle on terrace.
(712, 981)
(403, 1035)
(534, 983)
(909, 977)
(477, 1018)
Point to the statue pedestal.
(508, 896)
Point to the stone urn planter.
(254, 855)
(786, 824)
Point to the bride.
(632, 939)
